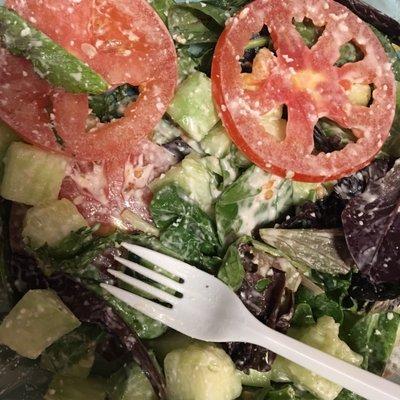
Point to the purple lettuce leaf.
(268, 300)
(371, 223)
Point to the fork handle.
(355, 379)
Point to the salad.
(258, 141)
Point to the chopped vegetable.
(31, 175)
(323, 336)
(201, 371)
(194, 178)
(38, 320)
(130, 383)
(51, 223)
(193, 108)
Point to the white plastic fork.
(209, 310)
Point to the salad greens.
(319, 262)
(185, 228)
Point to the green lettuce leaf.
(320, 250)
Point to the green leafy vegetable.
(374, 337)
(185, 228)
(70, 349)
(87, 257)
(322, 250)
(310, 308)
(111, 104)
(255, 198)
(194, 177)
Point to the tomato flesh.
(103, 190)
(126, 42)
(308, 83)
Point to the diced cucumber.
(131, 383)
(37, 320)
(323, 336)
(52, 222)
(50, 60)
(134, 221)
(201, 371)
(70, 388)
(31, 175)
(193, 176)
(193, 108)
(217, 142)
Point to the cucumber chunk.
(31, 175)
(51, 223)
(323, 336)
(131, 383)
(37, 320)
(49, 59)
(217, 142)
(201, 372)
(70, 388)
(193, 108)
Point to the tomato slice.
(308, 83)
(102, 190)
(126, 42)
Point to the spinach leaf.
(374, 337)
(71, 348)
(371, 223)
(185, 228)
(347, 395)
(232, 271)
(310, 308)
(111, 105)
(320, 250)
(257, 197)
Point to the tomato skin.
(126, 42)
(240, 109)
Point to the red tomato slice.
(126, 42)
(102, 190)
(308, 83)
